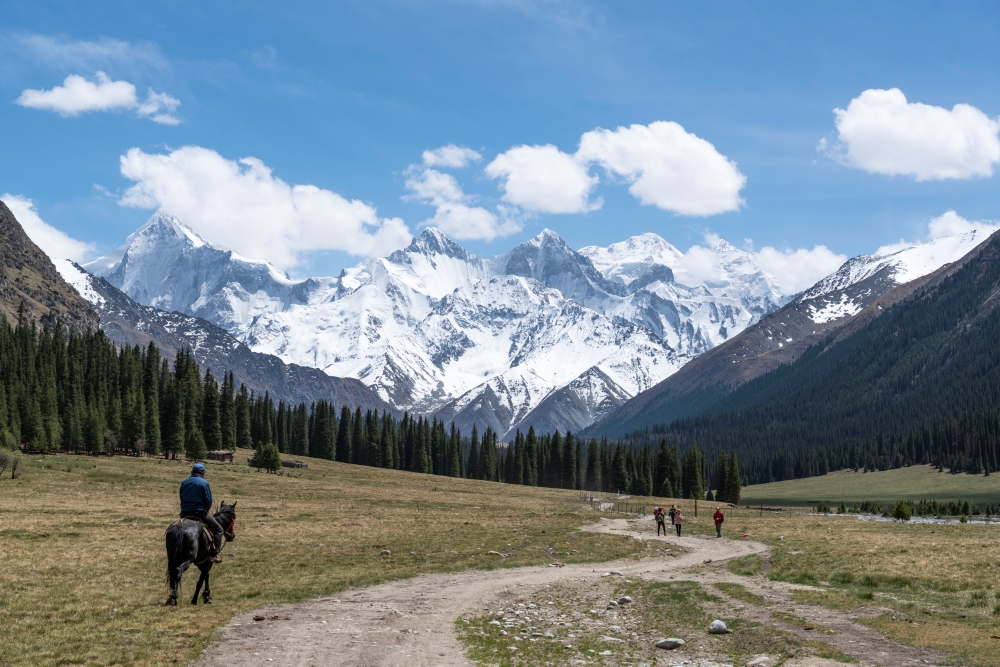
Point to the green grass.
(913, 483)
(740, 592)
(747, 566)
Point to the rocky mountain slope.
(433, 328)
(860, 290)
(28, 276)
(125, 321)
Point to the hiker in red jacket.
(719, 518)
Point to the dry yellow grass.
(940, 582)
(82, 559)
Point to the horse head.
(227, 518)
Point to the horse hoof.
(171, 602)
(207, 601)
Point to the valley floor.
(422, 621)
(915, 483)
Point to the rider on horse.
(196, 502)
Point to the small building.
(221, 455)
(288, 463)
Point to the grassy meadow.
(936, 586)
(887, 486)
(82, 559)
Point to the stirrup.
(214, 559)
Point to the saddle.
(209, 536)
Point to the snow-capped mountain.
(861, 289)
(433, 328)
(166, 265)
(126, 322)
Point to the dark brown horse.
(188, 542)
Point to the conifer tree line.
(82, 393)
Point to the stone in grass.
(611, 604)
(759, 661)
(495, 623)
(670, 643)
(717, 627)
(386, 552)
(625, 599)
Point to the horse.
(188, 541)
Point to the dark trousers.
(718, 530)
(213, 525)
(661, 524)
(678, 527)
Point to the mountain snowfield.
(541, 335)
(897, 267)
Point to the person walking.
(719, 518)
(678, 520)
(672, 512)
(661, 520)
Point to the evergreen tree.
(472, 467)
(210, 414)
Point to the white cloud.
(881, 133)
(243, 206)
(79, 95)
(947, 224)
(454, 216)
(55, 243)
(667, 167)
(792, 270)
(544, 179)
(950, 223)
(452, 156)
(664, 165)
(796, 270)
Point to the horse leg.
(197, 588)
(207, 597)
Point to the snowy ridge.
(896, 267)
(543, 334)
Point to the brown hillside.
(28, 276)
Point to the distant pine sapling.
(902, 511)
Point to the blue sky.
(347, 96)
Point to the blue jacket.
(196, 494)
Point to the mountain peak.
(432, 241)
(165, 224)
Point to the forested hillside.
(919, 384)
(63, 391)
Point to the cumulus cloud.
(79, 95)
(454, 215)
(664, 165)
(796, 270)
(55, 243)
(544, 179)
(667, 167)
(951, 223)
(791, 270)
(881, 133)
(947, 224)
(451, 156)
(242, 205)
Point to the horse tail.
(175, 547)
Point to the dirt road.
(411, 622)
